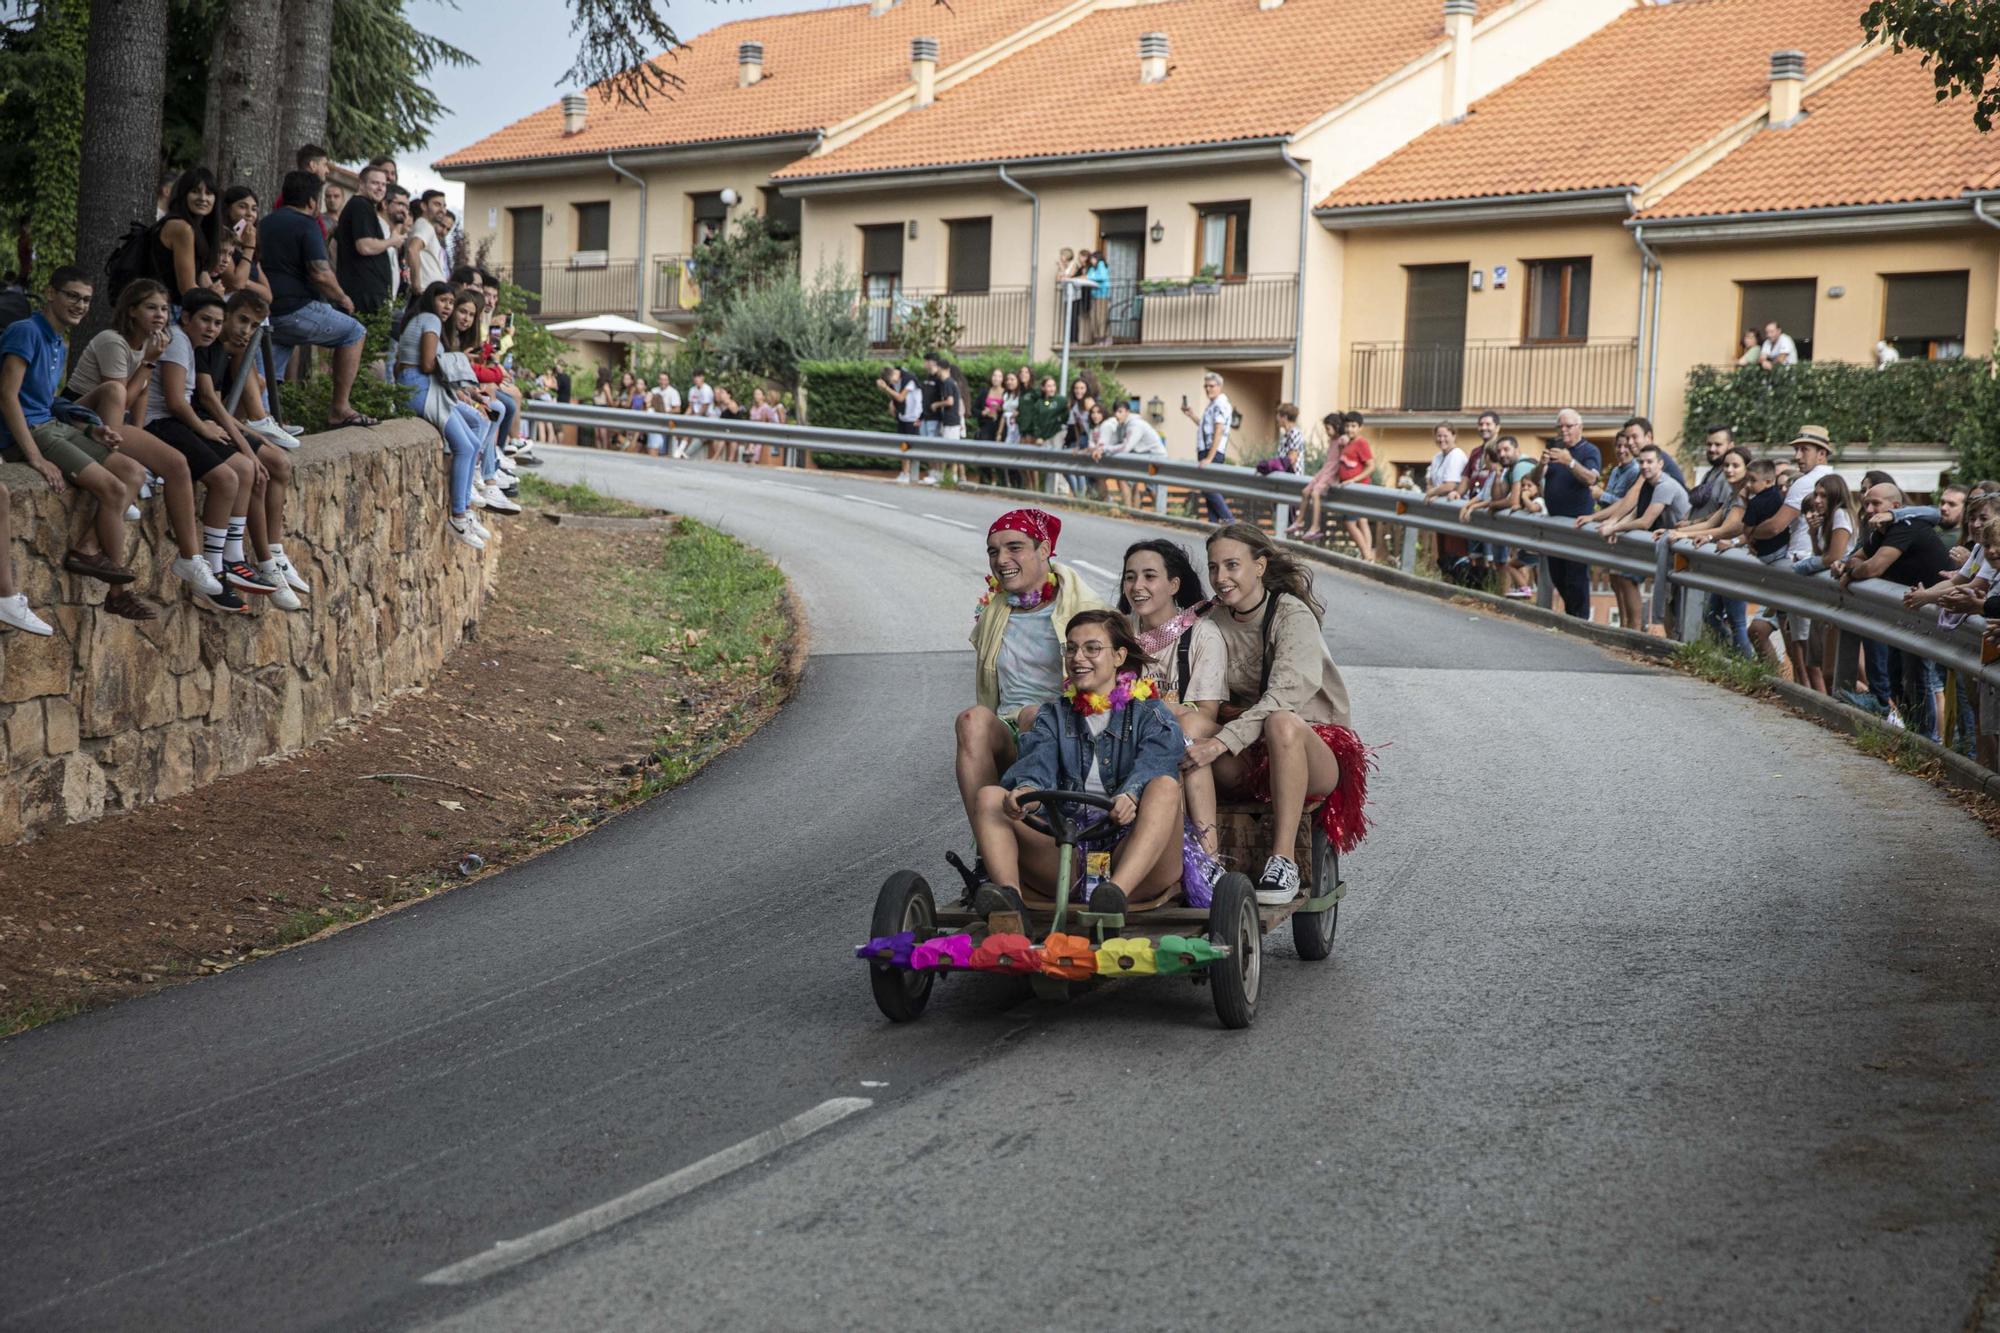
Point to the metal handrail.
(1872, 609)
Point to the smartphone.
(238, 225)
(1184, 402)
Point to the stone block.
(174, 770)
(67, 789)
(291, 716)
(197, 691)
(127, 686)
(25, 734)
(59, 725)
(36, 665)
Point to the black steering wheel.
(1055, 821)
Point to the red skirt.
(1342, 812)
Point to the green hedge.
(1952, 403)
(841, 395)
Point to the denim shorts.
(316, 324)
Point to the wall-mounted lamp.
(1158, 232)
(1156, 411)
(911, 230)
(1835, 293)
(729, 198)
(1479, 280)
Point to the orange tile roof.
(1615, 109)
(819, 68)
(1237, 72)
(1876, 135)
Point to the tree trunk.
(308, 55)
(124, 84)
(245, 92)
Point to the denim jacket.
(1143, 742)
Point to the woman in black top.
(186, 238)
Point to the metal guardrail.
(1872, 609)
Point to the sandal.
(361, 419)
(120, 602)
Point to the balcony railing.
(675, 294)
(1190, 312)
(992, 320)
(566, 290)
(1590, 376)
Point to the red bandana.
(1040, 527)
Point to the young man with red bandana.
(1017, 638)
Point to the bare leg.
(246, 484)
(1011, 850)
(219, 496)
(1198, 784)
(267, 520)
(346, 365)
(107, 531)
(158, 457)
(1300, 765)
(985, 747)
(1149, 857)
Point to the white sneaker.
(282, 595)
(14, 614)
(268, 429)
(292, 575)
(930, 480)
(478, 496)
(197, 575)
(1279, 883)
(461, 528)
(902, 479)
(499, 503)
(479, 530)
(131, 513)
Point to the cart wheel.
(904, 903)
(1312, 932)
(1233, 923)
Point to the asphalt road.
(1651, 1007)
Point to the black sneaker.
(993, 899)
(1279, 883)
(225, 601)
(1107, 898)
(237, 574)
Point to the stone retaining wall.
(111, 713)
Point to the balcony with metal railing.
(1256, 315)
(993, 320)
(568, 290)
(1595, 376)
(675, 294)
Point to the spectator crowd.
(212, 304)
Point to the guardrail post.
(1407, 558)
(1545, 585)
(1687, 623)
(1281, 518)
(1663, 565)
(1159, 495)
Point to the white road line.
(879, 504)
(507, 1254)
(940, 518)
(1098, 570)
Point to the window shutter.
(1925, 306)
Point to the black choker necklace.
(1253, 610)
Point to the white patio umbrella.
(611, 328)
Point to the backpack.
(130, 259)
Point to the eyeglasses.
(1085, 649)
(74, 298)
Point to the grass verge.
(1708, 659)
(575, 497)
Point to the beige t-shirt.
(107, 357)
(1304, 679)
(1208, 666)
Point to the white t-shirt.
(1139, 437)
(701, 400)
(666, 398)
(1796, 496)
(912, 406)
(180, 352)
(1782, 345)
(1447, 468)
(1093, 781)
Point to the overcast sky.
(523, 47)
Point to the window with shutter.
(1787, 303)
(1923, 314)
(969, 247)
(593, 227)
(1222, 239)
(1558, 309)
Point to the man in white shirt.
(1778, 348)
(1811, 448)
(666, 398)
(1125, 433)
(1212, 439)
(700, 403)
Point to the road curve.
(1651, 1006)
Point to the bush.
(770, 328)
(1952, 403)
(306, 402)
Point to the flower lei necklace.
(1020, 601)
(1128, 688)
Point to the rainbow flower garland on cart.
(1128, 688)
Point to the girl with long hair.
(1110, 735)
(1186, 658)
(1286, 736)
(187, 238)
(418, 371)
(239, 221)
(480, 403)
(111, 377)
